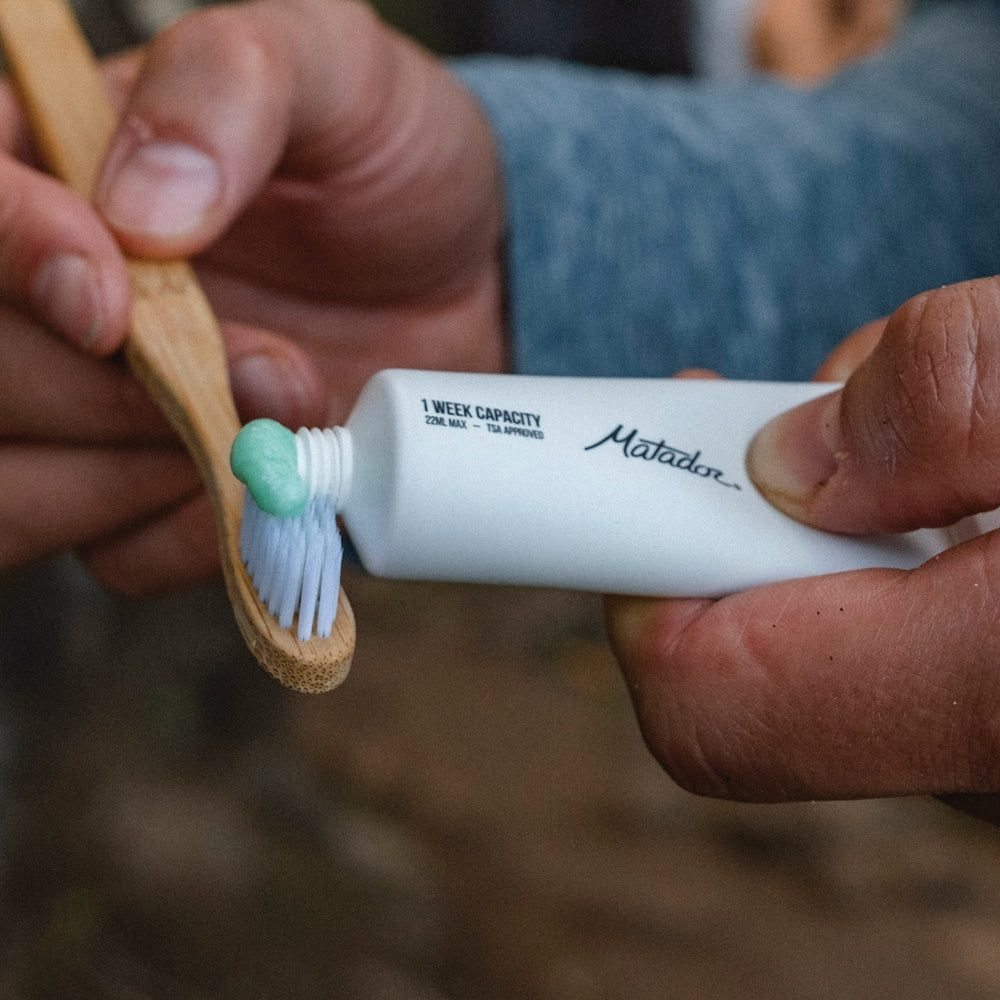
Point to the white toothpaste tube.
(594, 484)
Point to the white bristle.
(295, 563)
(332, 558)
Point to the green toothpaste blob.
(264, 457)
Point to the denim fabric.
(658, 223)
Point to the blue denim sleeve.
(661, 223)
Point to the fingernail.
(266, 386)
(629, 619)
(159, 188)
(66, 294)
(795, 454)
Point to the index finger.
(58, 261)
(872, 683)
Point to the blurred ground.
(471, 816)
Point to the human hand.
(808, 40)
(339, 191)
(338, 185)
(869, 683)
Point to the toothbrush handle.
(59, 88)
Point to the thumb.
(219, 99)
(200, 128)
(913, 438)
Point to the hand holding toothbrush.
(341, 190)
(874, 683)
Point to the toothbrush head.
(289, 539)
(294, 563)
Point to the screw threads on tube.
(319, 461)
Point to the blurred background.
(473, 813)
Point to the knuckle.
(691, 760)
(212, 53)
(975, 732)
(941, 418)
(223, 29)
(38, 218)
(948, 365)
(935, 376)
(693, 721)
(717, 757)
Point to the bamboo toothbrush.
(174, 346)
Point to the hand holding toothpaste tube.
(873, 683)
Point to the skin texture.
(339, 192)
(860, 684)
